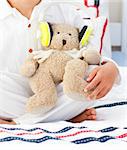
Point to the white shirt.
(17, 36)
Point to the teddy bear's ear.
(84, 35)
(46, 33)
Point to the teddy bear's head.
(60, 37)
(65, 37)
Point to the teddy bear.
(59, 44)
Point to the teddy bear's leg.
(73, 81)
(45, 96)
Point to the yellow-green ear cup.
(84, 35)
(46, 35)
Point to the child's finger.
(103, 93)
(93, 84)
(92, 74)
(97, 90)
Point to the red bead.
(30, 50)
(29, 25)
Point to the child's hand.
(102, 79)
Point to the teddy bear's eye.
(70, 34)
(58, 32)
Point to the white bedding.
(110, 129)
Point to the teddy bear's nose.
(64, 42)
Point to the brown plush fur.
(59, 67)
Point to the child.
(18, 20)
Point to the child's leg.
(11, 104)
(14, 92)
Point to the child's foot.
(7, 122)
(89, 114)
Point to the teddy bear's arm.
(29, 67)
(91, 56)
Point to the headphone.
(84, 35)
(46, 34)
